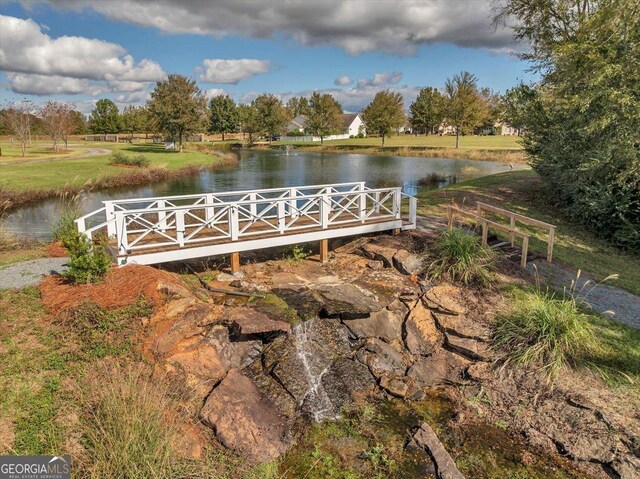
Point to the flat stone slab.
(30, 273)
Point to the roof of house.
(347, 119)
(299, 120)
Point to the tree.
(178, 107)
(18, 120)
(384, 114)
(52, 117)
(427, 111)
(582, 120)
(69, 123)
(493, 111)
(133, 119)
(298, 106)
(105, 118)
(325, 115)
(80, 121)
(223, 115)
(272, 115)
(248, 121)
(465, 108)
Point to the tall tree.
(178, 107)
(465, 107)
(80, 120)
(18, 120)
(272, 115)
(133, 120)
(427, 111)
(385, 114)
(69, 123)
(582, 121)
(298, 106)
(223, 115)
(53, 116)
(248, 121)
(325, 115)
(105, 118)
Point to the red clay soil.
(56, 250)
(120, 287)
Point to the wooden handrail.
(551, 229)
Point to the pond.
(271, 169)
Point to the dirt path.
(85, 153)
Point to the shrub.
(66, 224)
(545, 329)
(432, 179)
(88, 262)
(461, 257)
(297, 254)
(119, 158)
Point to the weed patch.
(460, 257)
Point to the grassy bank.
(501, 155)
(525, 193)
(20, 183)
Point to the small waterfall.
(316, 400)
(287, 149)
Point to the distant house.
(501, 128)
(353, 124)
(297, 124)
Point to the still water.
(270, 169)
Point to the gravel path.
(604, 297)
(29, 273)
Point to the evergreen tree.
(105, 118)
(325, 115)
(272, 115)
(427, 111)
(223, 115)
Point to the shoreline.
(11, 199)
(500, 156)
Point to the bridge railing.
(233, 216)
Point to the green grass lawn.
(432, 141)
(525, 193)
(76, 172)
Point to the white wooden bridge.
(171, 228)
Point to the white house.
(353, 124)
(297, 124)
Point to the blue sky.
(290, 56)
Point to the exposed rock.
(302, 300)
(297, 360)
(394, 385)
(469, 348)
(244, 421)
(442, 367)
(446, 467)
(346, 301)
(199, 357)
(381, 358)
(441, 298)
(627, 467)
(380, 253)
(226, 277)
(249, 322)
(273, 391)
(174, 290)
(463, 327)
(408, 263)
(345, 381)
(385, 324)
(375, 265)
(422, 334)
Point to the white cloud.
(343, 81)
(49, 85)
(357, 26)
(40, 65)
(231, 71)
(380, 79)
(211, 92)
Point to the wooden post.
(525, 249)
(324, 250)
(485, 232)
(550, 240)
(513, 226)
(450, 217)
(235, 262)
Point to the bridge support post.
(235, 262)
(324, 250)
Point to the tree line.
(582, 119)
(177, 108)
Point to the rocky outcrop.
(422, 336)
(385, 324)
(445, 466)
(245, 421)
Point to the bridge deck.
(156, 230)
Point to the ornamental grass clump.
(461, 258)
(545, 329)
